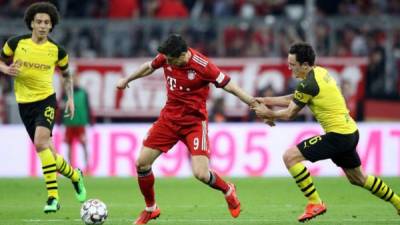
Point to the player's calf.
(380, 189)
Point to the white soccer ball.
(94, 211)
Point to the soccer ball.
(94, 211)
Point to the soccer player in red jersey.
(184, 118)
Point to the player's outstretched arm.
(144, 70)
(287, 113)
(234, 89)
(282, 101)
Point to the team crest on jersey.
(191, 74)
(51, 53)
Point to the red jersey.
(188, 87)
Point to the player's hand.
(69, 109)
(270, 123)
(262, 111)
(254, 102)
(12, 70)
(122, 84)
(260, 100)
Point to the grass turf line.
(187, 201)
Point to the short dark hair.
(174, 46)
(41, 7)
(304, 53)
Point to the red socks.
(217, 182)
(146, 184)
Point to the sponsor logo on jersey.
(171, 82)
(32, 65)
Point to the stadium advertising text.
(237, 150)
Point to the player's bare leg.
(201, 170)
(315, 206)
(374, 184)
(146, 184)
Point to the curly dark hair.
(41, 7)
(174, 46)
(304, 53)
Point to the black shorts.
(340, 148)
(40, 113)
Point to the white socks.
(151, 208)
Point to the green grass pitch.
(188, 202)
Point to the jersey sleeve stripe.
(63, 67)
(302, 97)
(200, 61)
(220, 78)
(199, 58)
(13, 41)
(7, 51)
(204, 136)
(63, 63)
(299, 103)
(149, 65)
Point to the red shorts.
(74, 133)
(163, 135)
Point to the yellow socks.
(305, 183)
(65, 169)
(49, 172)
(378, 188)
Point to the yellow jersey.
(36, 63)
(320, 92)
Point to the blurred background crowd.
(228, 28)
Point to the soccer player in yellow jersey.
(31, 59)
(319, 91)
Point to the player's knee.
(291, 157)
(356, 176)
(201, 175)
(357, 180)
(41, 145)
(287, 157)
(141, 165)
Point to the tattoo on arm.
(68, 84)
